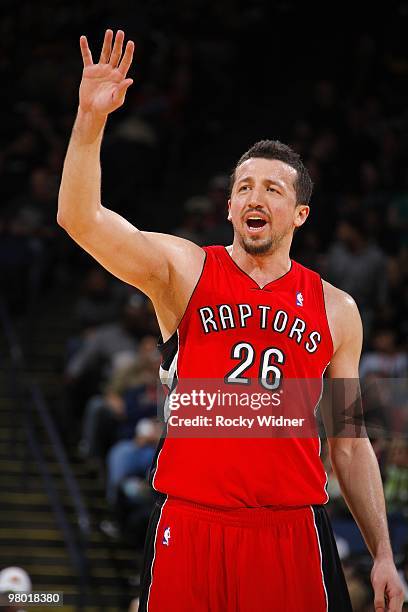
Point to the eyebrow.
(277, 182)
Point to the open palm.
(104, 85)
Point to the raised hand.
(104, 85)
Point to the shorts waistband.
(243, 517)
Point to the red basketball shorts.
(201, 559)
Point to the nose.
(255, 199)
(255, 196)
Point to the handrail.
(17, 357)
(76, 556)
(83, 519)
(21, 383)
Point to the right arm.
(162, 266)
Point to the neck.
(263, 268)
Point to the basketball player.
(241, 524)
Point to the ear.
(301, 214)
(229, 210)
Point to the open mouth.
(255, 224)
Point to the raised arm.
(353, 459)
(160, 265)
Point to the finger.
(379, 602)
(121, 90)
(123, 87)
(117, 49)
(85, 51)
(127, 58)
(106, 47)
(395, 603)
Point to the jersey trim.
(320, 440)
(326, 317)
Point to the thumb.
(120, 91)
(125, 84)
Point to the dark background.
(210, 79)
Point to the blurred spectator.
(103, 352)
(21, 264)
(372, 194)
(396, 478)
(134, 605)
(38, 204)
(307, 249)
(130, 395)
(394, 313)
(360, 592)
(98, 303)
(398, 215)
(131, 458)
(14, 580)
(359, 268)
(385, 359)
(217, 229)
(109, 343)
(195, 209)
(128, 491)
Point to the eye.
(272, 189)
(243, 187)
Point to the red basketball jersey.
(229, 319)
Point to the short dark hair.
(274, 149)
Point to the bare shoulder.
(174, 244)
(342, 314)
(184, 258)
(185, 261)
(338, 301)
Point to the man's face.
(262, 207)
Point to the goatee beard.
(261, 247)
(257, 248)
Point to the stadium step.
(29, 534)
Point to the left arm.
(353, 459)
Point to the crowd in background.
(209, 82)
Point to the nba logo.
(299, 299)
(166, 536)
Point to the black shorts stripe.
(335, 583)
(149, 552)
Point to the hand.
(388, 590)
(104, 85)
